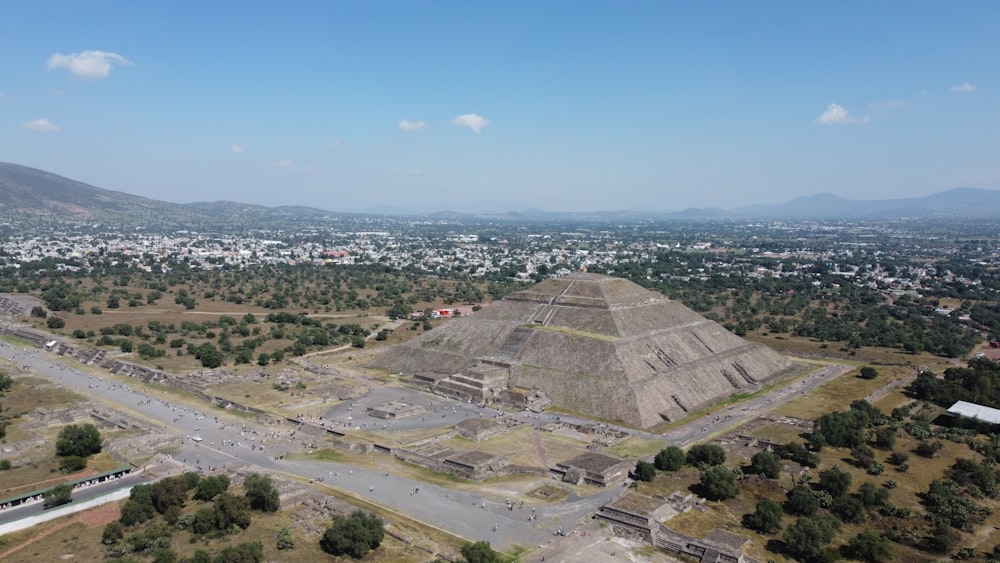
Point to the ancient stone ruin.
(593, 344)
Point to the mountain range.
(31, 194)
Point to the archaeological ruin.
(592, 344)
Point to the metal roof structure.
(972, 410)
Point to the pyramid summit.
(600, 346)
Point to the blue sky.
(564, 106)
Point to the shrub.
(766, 463)
(808, 538)
(801, 501)
(718, 483)
(706, 455)
(72, 463)
(766, 518)
(355, 535)
(480, 552)
(835, 481)
(285, 539)
(261, 493)
(79, 440)
(211, 487)
(870, 546)
(58, 495)
(645, 471)
(669, 459)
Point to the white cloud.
(837, 115)
(88, 64)
(965, 87)
(285, 164)
(472, 121)
(406, 125)
(43, 125)
(236, 149)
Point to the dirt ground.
(93, 518)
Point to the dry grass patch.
(260, 395)
(62, 539)
(30, 393)
(808, 347)
(781, 433)
(636, 448)
(836, 395)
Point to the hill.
(32, 195)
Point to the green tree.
(113, 532)
(209, 355)
(801, 501)
(718, 483)
(706, 455)
(885, 438)
(807, 539)
(261, 494)
(480, 552)
(164, 555)
(139, 506)
(766, 518)
(869, 546)
(211, 487)
(55, 322)
(355, 535)
(167, 493)
(835, 481)
(79, 440)
(766, 463)
(871, 495)
(249, 552)
(868, 372)
(848, 509)
(58, 495)
(203, 521)
(231, 510)
(645, 471)
(669, 459)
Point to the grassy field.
(839, 393)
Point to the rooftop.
(972, 410)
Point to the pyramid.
(600, 346)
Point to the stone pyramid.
(600, 346)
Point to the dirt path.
(540, 449)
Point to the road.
(79, 495)
(228, 441)
(736, 415)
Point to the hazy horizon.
(561, 106)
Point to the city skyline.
(558, 106)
